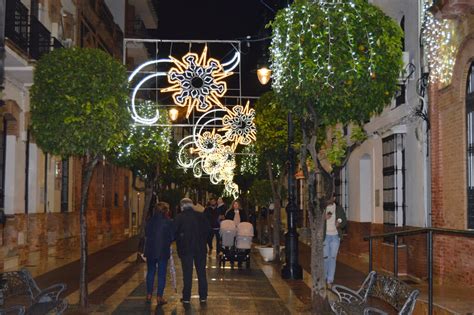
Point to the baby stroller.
(236, 243)
(243, 243)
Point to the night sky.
(223, 20)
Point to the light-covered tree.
(334, 63)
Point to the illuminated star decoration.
(239, 125)
(197, 82)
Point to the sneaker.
(148, 298)
(202, 300)
(185, 301)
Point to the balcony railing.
(16, 26)
(40, 39)
(27, 32)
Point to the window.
(393, 152)
(470, 147)
(400, 95)
(341, 189)
(64, 185)
(3, 149)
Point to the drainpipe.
(2, 44)
(27, 169)
(426, 124)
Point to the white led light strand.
(441, 42)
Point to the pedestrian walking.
(159, 233)
(192, 230)
(333, 225)
(212, 215)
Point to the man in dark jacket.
(159, 233)
(192, 230)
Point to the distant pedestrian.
(212, 216)
(333, 225)
(236, 213)
(159, 233)
(192, 230)
(221, 208)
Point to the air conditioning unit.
(67, 43)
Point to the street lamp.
(264, 75)
(173, 114)
(291, 269)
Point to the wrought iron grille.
(341, 189)
(470, 147)
(64, 185)
(393, 153)
(3, 147)
(16, 26)
(40, 38)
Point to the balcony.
(451, 9)
(29, 36)
(27, 39)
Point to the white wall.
(117, 8)
(365, 188)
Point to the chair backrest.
(367, 285)
(32, 286)
(14, 283)
(395, 292)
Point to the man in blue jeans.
(159, 233)
(335, 222)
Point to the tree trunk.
(149, 184)
(319, 299)
(87, 171)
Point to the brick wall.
(452, 254)
(52, 234)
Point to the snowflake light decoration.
(197, 82)
(208, 142)
(239, 125)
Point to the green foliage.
(337, 151)
(340, 88)
(249, 161)
(145, 147)
(358, 134)
(78, 102)
(271, 120)
(261, 192)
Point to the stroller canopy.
(228, 225)
(245, 229)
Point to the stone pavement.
(116, 286)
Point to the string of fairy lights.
(197, 84)
(322, 59)
(441, 45)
